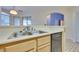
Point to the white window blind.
(4, 21)
(27, 21)
(16, 21)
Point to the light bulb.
(14, 12)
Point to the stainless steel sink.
(41, 32)
(27, 33)
(23, 33)
(33, 33)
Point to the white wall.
(71, 24)
(41, 18)
(75, 25)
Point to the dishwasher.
(56, 42)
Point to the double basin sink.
(24, 33)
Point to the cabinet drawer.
(25, 46)
(43, 40)
(45, 48)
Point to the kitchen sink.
(33, 33)
(23, 33)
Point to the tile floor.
(71, 46)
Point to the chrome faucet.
(28, 28)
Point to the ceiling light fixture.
(13, 11)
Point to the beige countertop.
(4, 36)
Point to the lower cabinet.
(43, 40)
(22, 47)
(44, 44)
(40, 44)
(44, 48)
(1, 50)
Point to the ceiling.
(33, 9)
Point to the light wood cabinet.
(43, 40)
(44, 44)
(1, 50)
(39, 44)
(44, 48)
(22, 47)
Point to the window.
(16, 21)
(7, 20)
(4, 21)
(26, 21)
(29, 22)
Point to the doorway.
(56, 19)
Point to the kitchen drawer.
(44, 48)
(43, 40)
(21, 47)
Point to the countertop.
(49, 30)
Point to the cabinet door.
(22, 47)
(1, 50)
(43, 40)
(44, 48)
